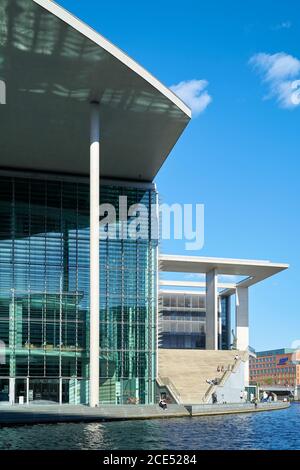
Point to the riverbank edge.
(29, 415)
(247, 408)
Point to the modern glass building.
(81, 124)
(44, 295)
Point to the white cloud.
(282, 25)
(281, 72)
(277, 66)
(193, 93)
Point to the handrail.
(212, 387)
(208, 392)
(224, 376)
(243, 356)
(166, 382)
(173, 390)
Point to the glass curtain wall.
(44, 296)
(225, 336)
(183, 321)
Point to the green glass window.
(44, 292)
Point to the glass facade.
(182, 322)
(44, 295)
(225, 336)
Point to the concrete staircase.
(184, 372)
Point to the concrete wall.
(231, 391)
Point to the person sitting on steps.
(162, 404)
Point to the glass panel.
(4, 390)
(20, 391)
(44, 390)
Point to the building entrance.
(44, 390)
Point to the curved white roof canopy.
(53, 66)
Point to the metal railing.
(232, 368)
(166, 382)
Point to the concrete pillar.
(242, 318)
(94, 253)
(60, 393)
(242, 324)
(211, 310)
(12, 384)
(27, 390)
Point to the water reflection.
(267, 430)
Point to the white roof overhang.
(53, 66)
(253, 270)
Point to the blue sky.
(240, 155)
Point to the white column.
(60, 391)
(219, 322)
(242, 318)
(94, 253)
(12, 382)
(27, 390)
(242, 324)
(211, 310)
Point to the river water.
(265, 430)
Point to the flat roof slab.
(254, 270)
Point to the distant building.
(275, 367)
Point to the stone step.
(189, 369)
